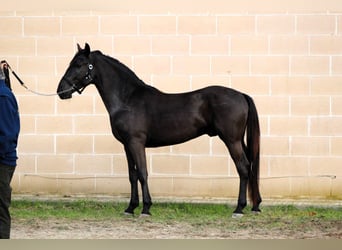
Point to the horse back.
(176, 118)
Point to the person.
(9, 132)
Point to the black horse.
(142, 116)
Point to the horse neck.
(114, 82)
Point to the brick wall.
(286, 54)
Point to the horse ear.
(79, 48)
(87, 49)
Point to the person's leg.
(6, 174)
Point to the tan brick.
(101, 43)
(54, 125)
(218, 147)
(74, 144)
(94, 124)
(42, 26)
(36, 143)
(55, 164)
(24, 46)
(326, 126)
(313, 65)
(93, 164)
(170, 164)
(310, 187)
(336, 65)
(152, 25)
(113, 186)
(272, 105)
(293, 45)
(196, 146)
(227, 25)
(99, 107)
(312, 105)
(275, 188)
(197, 25)
(290, 126)
(26, 164)
(120, 165)
(158, 150)
(336, 188)
(107, 144)
(310, 146)
(315, 24)
(31, 184)
(209, 45)
(214, 165)
(171, 83)
(132, 45)
(257, 48)
(251, 85)
(222, 187)
(160, 186)
(170, 45)
(46, 84)
(80, 25)
(11, 26)
(285, 85)
(17, 88)
(55, 46)
(156, 65)
(272, 65)
(27, 124)
(281, 24)
(336, 146)
(114, 25)
(275, 145)
(326, 86)
(191, 65)
(230, 65)
(190, 187)
(78, 105)
(201, 81)
(76, 184)
(325, 45)
(264, 124)
(32, 105)
(336, 105)
(325, 166)
(289, 166)
(249, 45)
(42, 65)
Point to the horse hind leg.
(239, 157)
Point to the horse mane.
(122, 69)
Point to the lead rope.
(32, 91)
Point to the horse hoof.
(128, 214)
(145, 215)
(237, 216)
(256, 212)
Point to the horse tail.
(253, 151)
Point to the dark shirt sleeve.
(9, 124)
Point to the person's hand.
(4, 65)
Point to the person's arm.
(8, 121)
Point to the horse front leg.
(133, 179)
(137, 150)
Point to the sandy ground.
(146, 229)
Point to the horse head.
(78, 75)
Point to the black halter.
(89, 79)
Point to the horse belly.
(171, 131)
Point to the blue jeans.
(6, 174)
